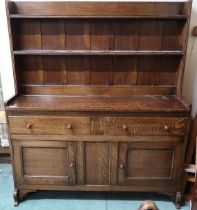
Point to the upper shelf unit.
(72, 9)
(106, 44)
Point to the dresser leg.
(19, 195)
(15, 196)
(178, 200)
(23, 193)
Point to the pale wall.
(190, 79)
(5, 57)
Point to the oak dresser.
(98, 104)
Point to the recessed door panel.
(45, 162)
(149, 164)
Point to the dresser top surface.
(135, 103)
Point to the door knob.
(124, 127)
(121, 165)
(71, 164)
(29, 126)
(69, 126)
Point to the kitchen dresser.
(98, 104)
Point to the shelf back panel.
(97, 70)
(64, 34)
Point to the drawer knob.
(71, 164)
(166, 128)
(121, 165)
(124, 127)
(69, 126)
(29, 126)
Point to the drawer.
(145, 126)
(49, 125)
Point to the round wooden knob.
(69, 126)
(71, 164)
(166, 128)
(124, 127)
(29, 126)
(121, 165)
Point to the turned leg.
(16, 196)
(178, 200)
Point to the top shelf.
(94, 9)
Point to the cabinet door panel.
(44, 162)
(93, 163)
(149, 164)
(97, 162)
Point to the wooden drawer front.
(49, 125)
(145, 126)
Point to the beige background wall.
(190, 79)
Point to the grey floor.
(52, 200)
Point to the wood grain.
(112, 9)
(145, 126)
(99, 105)
(97, 157)
(49, 125)
(135, 103)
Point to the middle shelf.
(98, 52)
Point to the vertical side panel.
(80, 163)
(72, 163)
(122, 149)
(114, 163)
(178, 162)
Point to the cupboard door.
(44, 162)
(149, 164)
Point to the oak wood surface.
(116, 90)
(96, 9)
(99, 103)
(143, 103)
(49, 125)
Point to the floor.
(51, 200)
